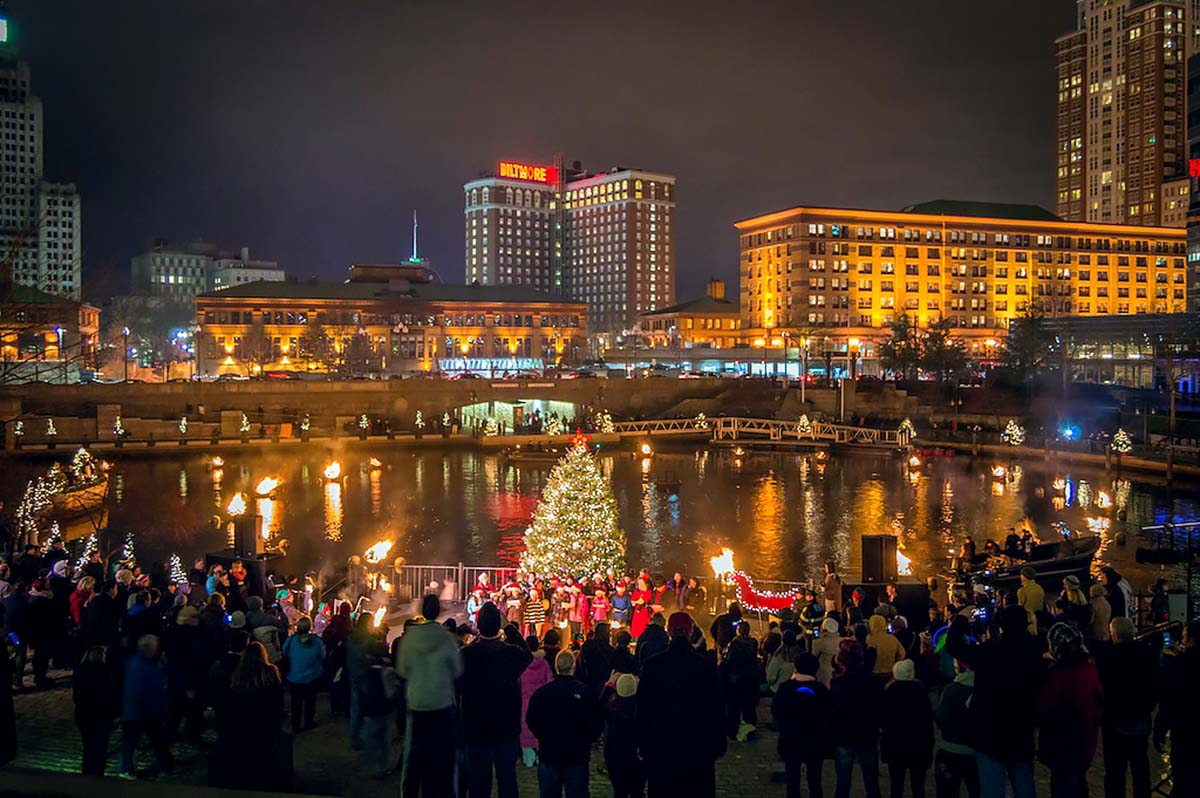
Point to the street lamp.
(803, 366)
(125, 351)
(852, 351)
(62, 360)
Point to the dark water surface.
(782, 514)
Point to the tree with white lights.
(574, 530)
(1014, 433)
(804, 426)
(491, 428)
(1121, 442)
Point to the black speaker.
(878, 559)
(247, 535)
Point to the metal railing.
(450, 582)
(732, 428)
(672, 425)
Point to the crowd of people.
(542, 673)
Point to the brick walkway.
(324, 764)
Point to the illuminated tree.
(574, 530)
(804, 426)
(1014, 433)
(1121, 442)
(178, 575)
(491, 428)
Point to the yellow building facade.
(838, 277)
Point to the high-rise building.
(1121, 122)
(604, 238)
(839, 277)
(40, 242)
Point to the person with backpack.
(303, 664)
(564, 748)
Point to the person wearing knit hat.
(490, 706)
(237, 620)
(1031, 596)
(564, 748)
(1069, 712)
(825, 649)
(907, 729)
(1097, 632)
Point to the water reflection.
(333, 511)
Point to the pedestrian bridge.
(734, 429)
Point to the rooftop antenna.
(414, 253)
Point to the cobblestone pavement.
(324, 764)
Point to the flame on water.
(723, 562)
(914, 461)
(377, 616)
(333, 470)
(267, 485)
(374, 463)
(999, 472)
(217, 462)
(385, 585)
(1059, 484)
(1103, 500)
(218, 474)
(378, 551)
(1098, 525)
(646, 450)
(903, 564)
(237, 505)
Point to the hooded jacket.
(888, 650)
(491, 690)
(429, 662)
(536, 674)
(953, 714)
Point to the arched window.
(528, 198)
(537, 199)
(508, 196)
(473, 193)
(485, 195)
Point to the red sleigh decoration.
(756, 601)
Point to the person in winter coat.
(564, 749)
(304, 654)
(144, 707)
(856, 700)
(596, 659)
(1177, 713)
(739, 678)
(653, 640)
(334, 637)
(98, 618)
(641, 599)
(359, 647)
(536, 674)
(907, 738)
(1075, 604)
(1098, 629)
(802, 710)
(1031, 596)
(187, 673)
(888, 650)
(1129, 676)
(79, 598)
(95, 707)
(253, 725)
(625, 768)
(1008, 674)
(491, 707)
(955, 765)
(684, 688)
(1069, 711)
(623, 660)
(1118, 592)
(622, 608)
(44, 627)
(825, 649)
(429, 662)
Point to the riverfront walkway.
(324, 765)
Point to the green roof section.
(28, 295)
(433, 292)
(704, 304)
(983, 210)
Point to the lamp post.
(852, 351)
(803, 367)
(62, 360)
(125, 351)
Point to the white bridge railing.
(733, 429)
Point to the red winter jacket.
(1069, 713)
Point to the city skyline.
(210, 143)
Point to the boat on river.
(1050, 561)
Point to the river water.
(782, 514)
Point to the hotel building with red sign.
(607, 238)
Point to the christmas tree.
(1121, 442)
(574, 530)
(1014, 433)
(178, 575)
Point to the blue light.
(1069, 433)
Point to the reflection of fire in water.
(218, 474)
(903, 564)
(333, 511)
(1103, 500)
(376, 492)
(723, 562)
(999, 472)
(216, 462)
(266, 486)
(266, 509)
(377, 618)
(333, 470)
(377, 551)
(1098, 525)
(374, 463)
(237, 505)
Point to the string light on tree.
(803, 426)
(83, 465)
(420, 422)
(604, 423)
(183, 424)
(363, 423)
(128, 556)
(906, 429)
(553, 426)
(1014, 433)
(118, 428)
(54, 534)
(51, 430)
(574, 530)
(305, 423)
(445, 419)
(1121, 442)
(491, 428)
(90, 545)
(19, 429)
(245, 425)
(701, 421)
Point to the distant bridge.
(733, 429)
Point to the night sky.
(309, 130)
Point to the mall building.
(835, 278)
(386, 319)
(603, 238)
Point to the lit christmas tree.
(54, 534)
(701, 421)
(56, 479)
(305, 424)
(363, 423)
(604, 423)
(83, 465)
(804, 426)
(51, 430)
(245, 426)
(89, 546)
(128, 557)
(1014, 433)
(420, 422)
(183, 425)
(178, 575)
(1121, 442)
(118, 428)
(574, 530)
(491, 428)
(553, 426)
(906, 428)
(19, 429)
